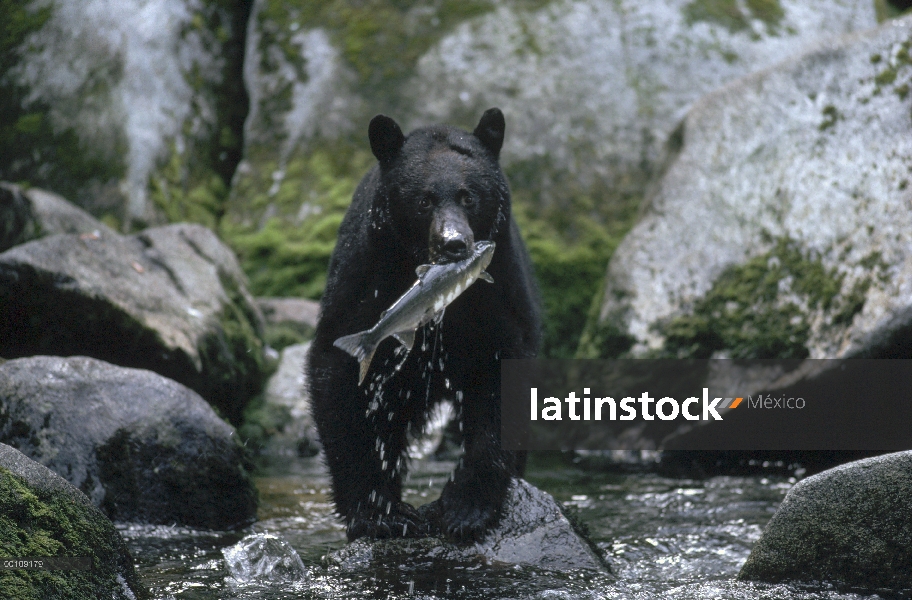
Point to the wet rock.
(264, 557)
(44, 516)
(782, 225)
(140, 446)
(170, 299)
(533, 532)
(848, 526)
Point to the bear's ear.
(490, 130)
(386, 138)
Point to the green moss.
(889, 9)
(728, 14)
(768, 11)
(750, 312)
(830, 116)
(571, 238)
(722, 12)
(892, 69)
(49, 524)
(184, 193)
(261, 422)
(289, 254)
(281, 335)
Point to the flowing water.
(664, 538)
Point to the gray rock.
(849, 526)
(44, 516)
(297, 311)
(532, 532)
(289, 321)
(30, 214)
(595, 88)
(140, 446)
(782, 225)
(264, 557)
(286, 391)
(591, 88)
(171, 299)
(131, 107)
(16, 223)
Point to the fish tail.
(360, 347)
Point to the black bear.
(432, 194)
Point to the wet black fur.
(452, 176)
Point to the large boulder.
(591, 88)
(848, 526)
(140, 446)
(129, 107)
(41, 516)
(533, 531)
(29, 214)
(782, 225)
(171, 299)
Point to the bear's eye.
(465, 199)
(424, 203)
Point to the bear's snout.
(451, 236)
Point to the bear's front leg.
(472, 501)
(366, 455)
(370, 495)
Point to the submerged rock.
(41, 515)
(533, 531)
(848, 526)
(264, 557)
(140, 446)
(170, 299)
(782, 225)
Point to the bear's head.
(441, 188)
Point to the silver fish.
(436, 288)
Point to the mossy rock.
(171, 299)
(767, 237)
(71, 78)
(41, 515)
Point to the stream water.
(664, 538)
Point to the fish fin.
(486, 276)
(406, 338)
(421, 270)
(365, 365)
(357, 346)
